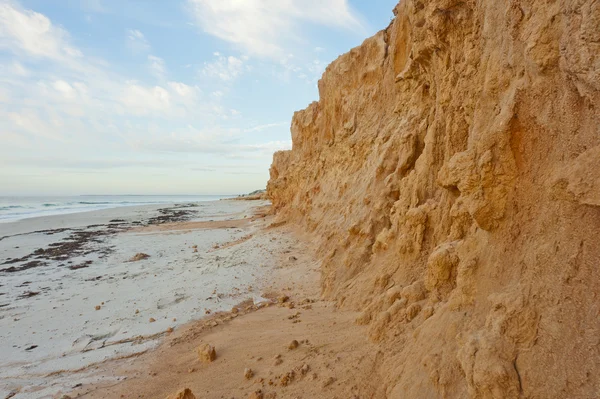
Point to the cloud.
(224, 68)
(158, 67)
(265, 27)
(260, 128)
(32, 33)
(141, 100)
(59, 99)
(137, 41)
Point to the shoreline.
(105, 205)
(77, 300)
(333, 357)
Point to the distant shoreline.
(13, 209)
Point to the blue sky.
(161, 97)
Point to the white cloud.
(141, 100)
(182, 89)
(58, 99)
(225, 68)
(264, 27)
(260, 128)
(29, 32)
(137, 41)
(19, 70)
(30, 122)
(158, 67)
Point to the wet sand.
(220, 273)
(70, 297)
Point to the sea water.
(17, 208)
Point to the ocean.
(17, 208)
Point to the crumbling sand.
(451, 172)
(254, 356)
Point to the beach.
(114, 304)
(73, 294)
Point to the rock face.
(451, 170)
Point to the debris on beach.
(305, 369)
(139, 256)
(207, 353)
(81, 265)
(28, 294)
(152, 320)
(182, 394)
(248, 373)
(257, 395)
(98, 307)
(293, 345)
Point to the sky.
(161, 97)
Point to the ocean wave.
(6, 208)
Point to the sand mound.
(451, 170)
(139, 256)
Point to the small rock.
(305, 369)
(287, 378)
(170, 330)
(137, 311)
(293, 258)
(206, 353)
(139, 256)
(283, 299)
(248, 373)
(98, 307)
(293, 345)
(152, 320)
(234, 310)
(183, 394)
(328, 382)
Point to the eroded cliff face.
(452, 171)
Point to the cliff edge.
(451, 171)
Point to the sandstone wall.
(451, 169)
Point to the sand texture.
(81, 289)
(290, 345)
(450, 173)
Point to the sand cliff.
(451, 170)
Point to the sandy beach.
(80, 317)
(70, 296)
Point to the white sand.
(175, 282)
